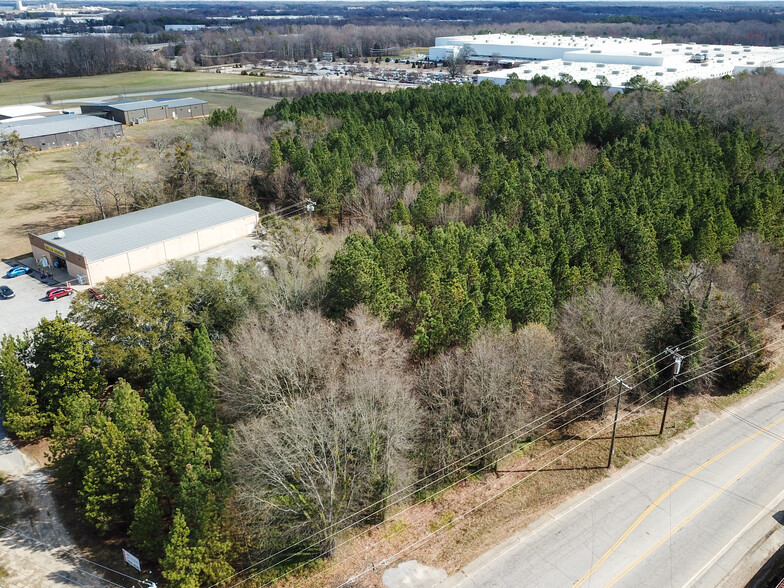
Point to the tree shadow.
(571, 469)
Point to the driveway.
(35, 549)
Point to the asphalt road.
(695, 515)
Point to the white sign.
(132, 560)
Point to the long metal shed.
(61, 130)
(129, 112)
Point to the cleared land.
(40, 203)
(43, 201)
(251, 106)
(25, 91)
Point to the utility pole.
(676, 369)
(621, 386)
(310, 206)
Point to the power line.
(391, 559)
(386, 561)
(439, 491)
(463, 461)
(484, 451)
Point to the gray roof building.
(60, 130)
(146, 238)
(138, 111)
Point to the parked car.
(17, 271)
(94, 294)
(56, 293)
(6, 292)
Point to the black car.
(6, 292)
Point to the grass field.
(43, 201)
(71, 89)
(250, 106)
(40, 203)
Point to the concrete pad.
(12, 461)
(412, 574)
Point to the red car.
(56, 293)
(94, 294)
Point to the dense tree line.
(143, 463)
(481, 255)
(298, 41)
(527, 236)
(83, 56)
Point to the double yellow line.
(664, 496)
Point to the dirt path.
(35, 549)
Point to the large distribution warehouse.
(140, 240)
(130, 112)
(610, 62)
(61, 130)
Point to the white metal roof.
(128, 105)
(24, 110)
(666, 63)
(51, 125)
(177, 102)
(113, 236)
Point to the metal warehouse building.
(140, 111)
(26, 110)
(140, 240)
(610, 62)
(61, 130)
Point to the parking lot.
(30, 305)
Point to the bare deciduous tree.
(475, 397)
(761, 270)
(298, 264)
(14, 152)
(456, 65)
(264, 363)
(602, 332)
(312, 466)
(108, 176)
(328, 419)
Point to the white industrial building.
(20, 111)
(109, 248)
(609, 61)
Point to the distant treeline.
(84, 56)
(287, 42)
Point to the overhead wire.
(387, 560)
(425, 499)
(661, 386)
(464, 462)
(647, 364)
(392, 558)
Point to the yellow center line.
(661, 498)
(702, 507)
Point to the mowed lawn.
(249, 106)
(70, 89)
